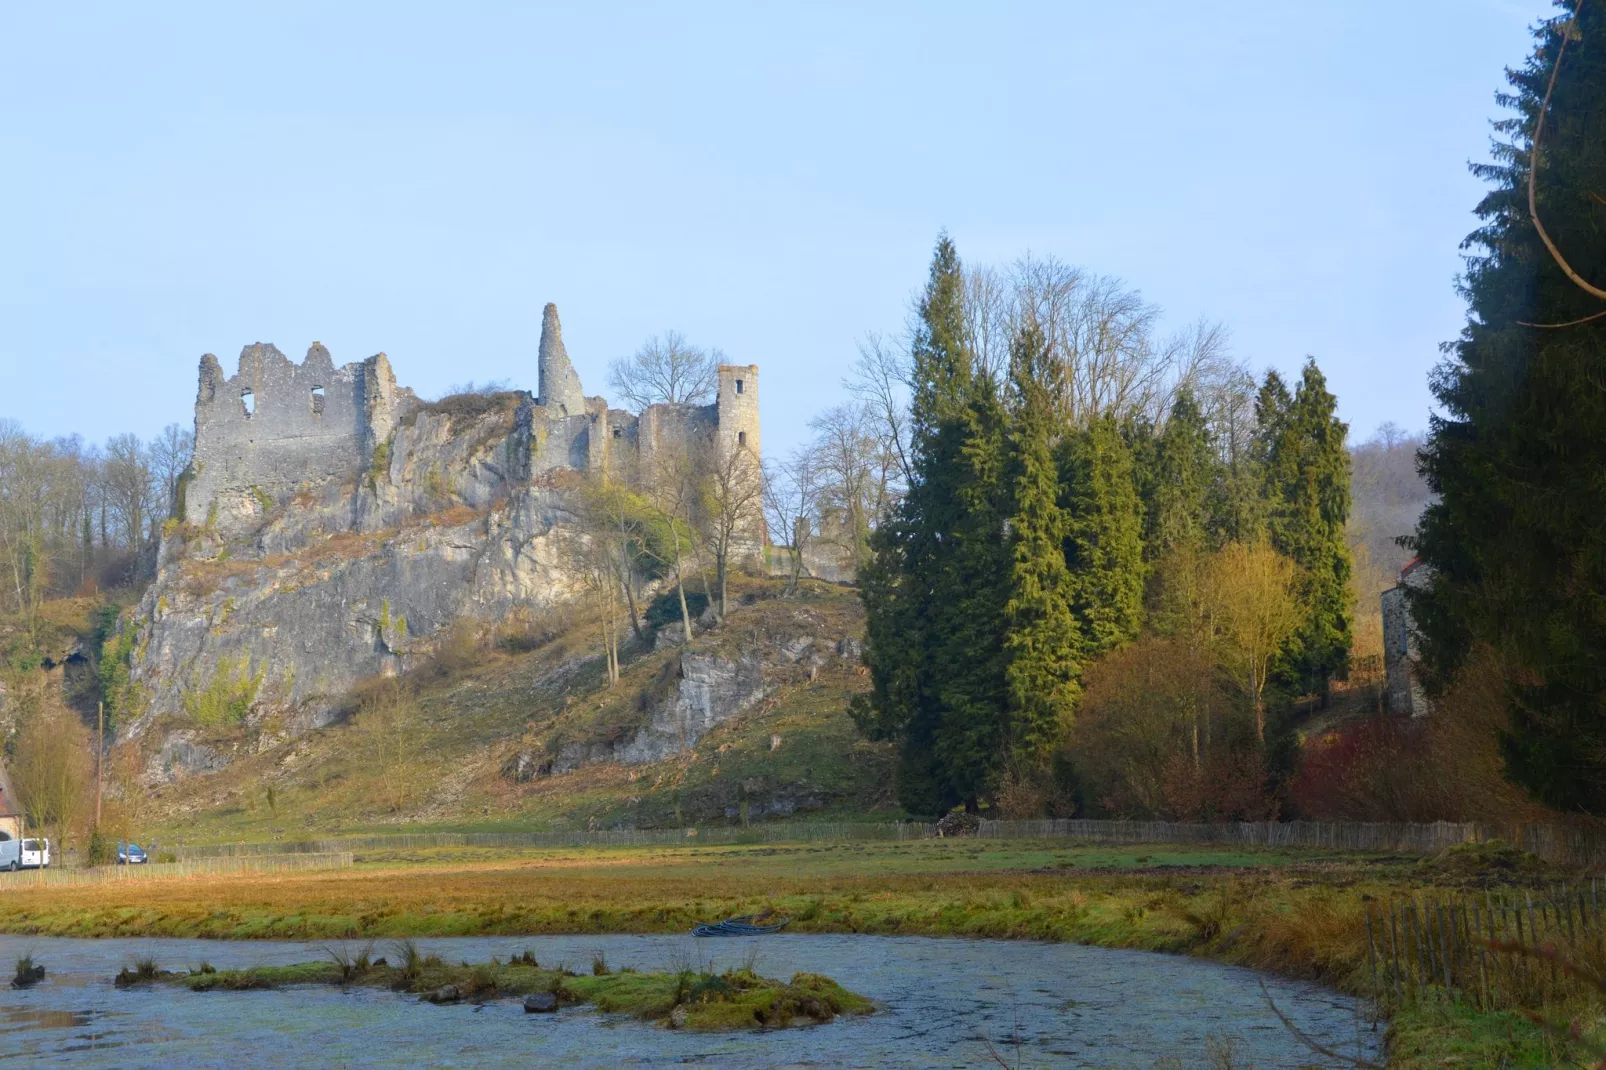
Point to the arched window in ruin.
(317, 401)
(248, 402)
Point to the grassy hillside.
(441, 747)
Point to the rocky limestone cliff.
(331, 527)
(345, 581)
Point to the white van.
(27, 853)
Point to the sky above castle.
(422, 179)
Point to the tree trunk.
(721, 570)
(708, 591)
(630, 598)
(628, 573)
(680, 584)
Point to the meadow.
(1298, 913)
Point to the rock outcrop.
(707, 689)
(333, 527)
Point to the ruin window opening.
(317, 401)
(618, 432)
(741, 438)
(248, 402)
(738, 386)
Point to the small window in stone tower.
(317, 401)
(618, 432)
(741, 436)
(248, 402)
(738, 386)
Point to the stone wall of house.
(1403, 692)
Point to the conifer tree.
(966, 615)
(1515, 540)
(1104, 540)
(1042, 638)
(1177, 507)
(1308, 498)
(934, 590)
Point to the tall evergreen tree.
(1042, 639)
(1104, 541)
(934, 591)
(1308, 496)
(1177, 507)
(1516, 541)
(967, 658)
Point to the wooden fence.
(156, 871)
(1577, 845)
(1498, 950)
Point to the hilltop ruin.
(333, 526)
(276, 430)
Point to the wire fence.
(1575, 845)
(157, 871)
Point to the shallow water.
(941, 1002)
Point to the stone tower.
(559, 385)
(737, 407)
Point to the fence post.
(1371, 954)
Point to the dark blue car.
(130, 854)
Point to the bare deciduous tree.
(591, 555)
(51, 770)
(852, 471)
(880, 383)
(671, 485)
(126, 479)
(667, 369)
(791, 501)
(170, 454)
(733, 508)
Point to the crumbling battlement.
(277, 428)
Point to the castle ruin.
(335, 527)
(276, 429)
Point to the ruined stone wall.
(559, 385)
(1403, 693)
(276, 428)
(667, 433)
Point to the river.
(941, 1003)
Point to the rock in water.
(443, 994)
(677, 1017)
(540, 1003)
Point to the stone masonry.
(277, 429)
(1403, 692)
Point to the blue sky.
(421, 179)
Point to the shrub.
(1442, 767)
(102, 848)
(457, 650)
(665, 609)
(1227, 785)
(227, 696)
